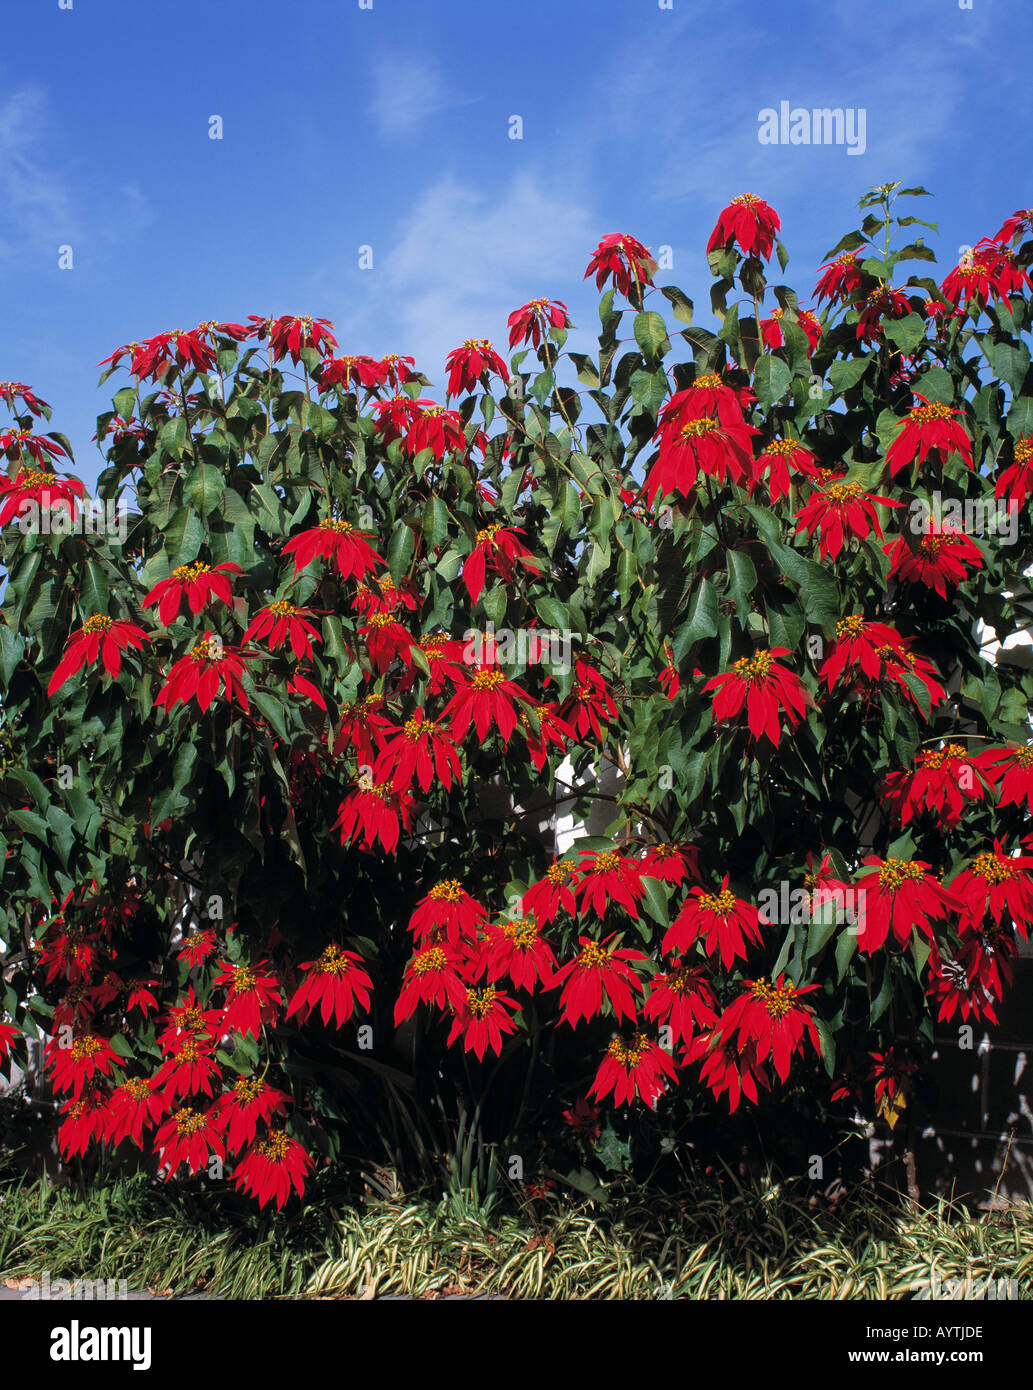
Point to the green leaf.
(700, 620)
(204, 488)
(906, 333)
(681, 305)
(651, 333)
(770, 380)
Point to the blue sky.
(389, 127)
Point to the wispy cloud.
(406, 91)
(461, 260)
(36, 202)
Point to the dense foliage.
(276, 759)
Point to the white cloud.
(37, 207)
(461, 261)
(405, 92)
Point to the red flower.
(929, 428)
(766, 688)
(983, 272)
(636, 1067)
(205, 671)
(534, 320)
(363, 729)
(293, 334)
(9, 1035)
(779, 460)
(1016, 482)
(599, 880)
(437, 429)
(994, 884)
(941, 782)
(41, 487)
(99, 635)
(721, 921)
(670, 863)
(334, 540)
(770, 1017)
(1015, 225)
(481, 1021)
(196, 948)
(727, 1068)
(191, 1068)
(545, 898)
(1013, 768)
(842, 279)
(489, 698)
(474, 362)
(387, 641)
(683, 999)
(881, 303)
(188, 1136)
(281, 622)
(254, 997)
(626, 259)
(198, 583)
(589, 702)
(593, 970)
(83, 1122)
(551, 730)
(953, 990)
(378, 811)
(17, 390)
(699, 445)
(431, 977)
(133, 1107)
(74, 1068)
(516, 949)
(583, 1119)
(240, 1111)
(271, 1168)
(448, 913)
(419, 749)
(895, 896)
(708, 395)
(498, 548)
(15, 443)
(862, 644)
(444, 656)
(750, 222)
(842, 511)
(944, 556)
(187, 1019)
(773, 336)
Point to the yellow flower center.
(722, 903)
(450, 890)
(696, 429)
(753, 668)
(487, 680)
(88, 1046)
(850, 627)
(628, 1054)
(426, 961)
(97, 622)
(839, 493)
(926, 414)
(185, 572)
(994, 870)
(896, 872)
(479, 1001)
(333, 962)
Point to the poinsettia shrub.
(286, 713)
